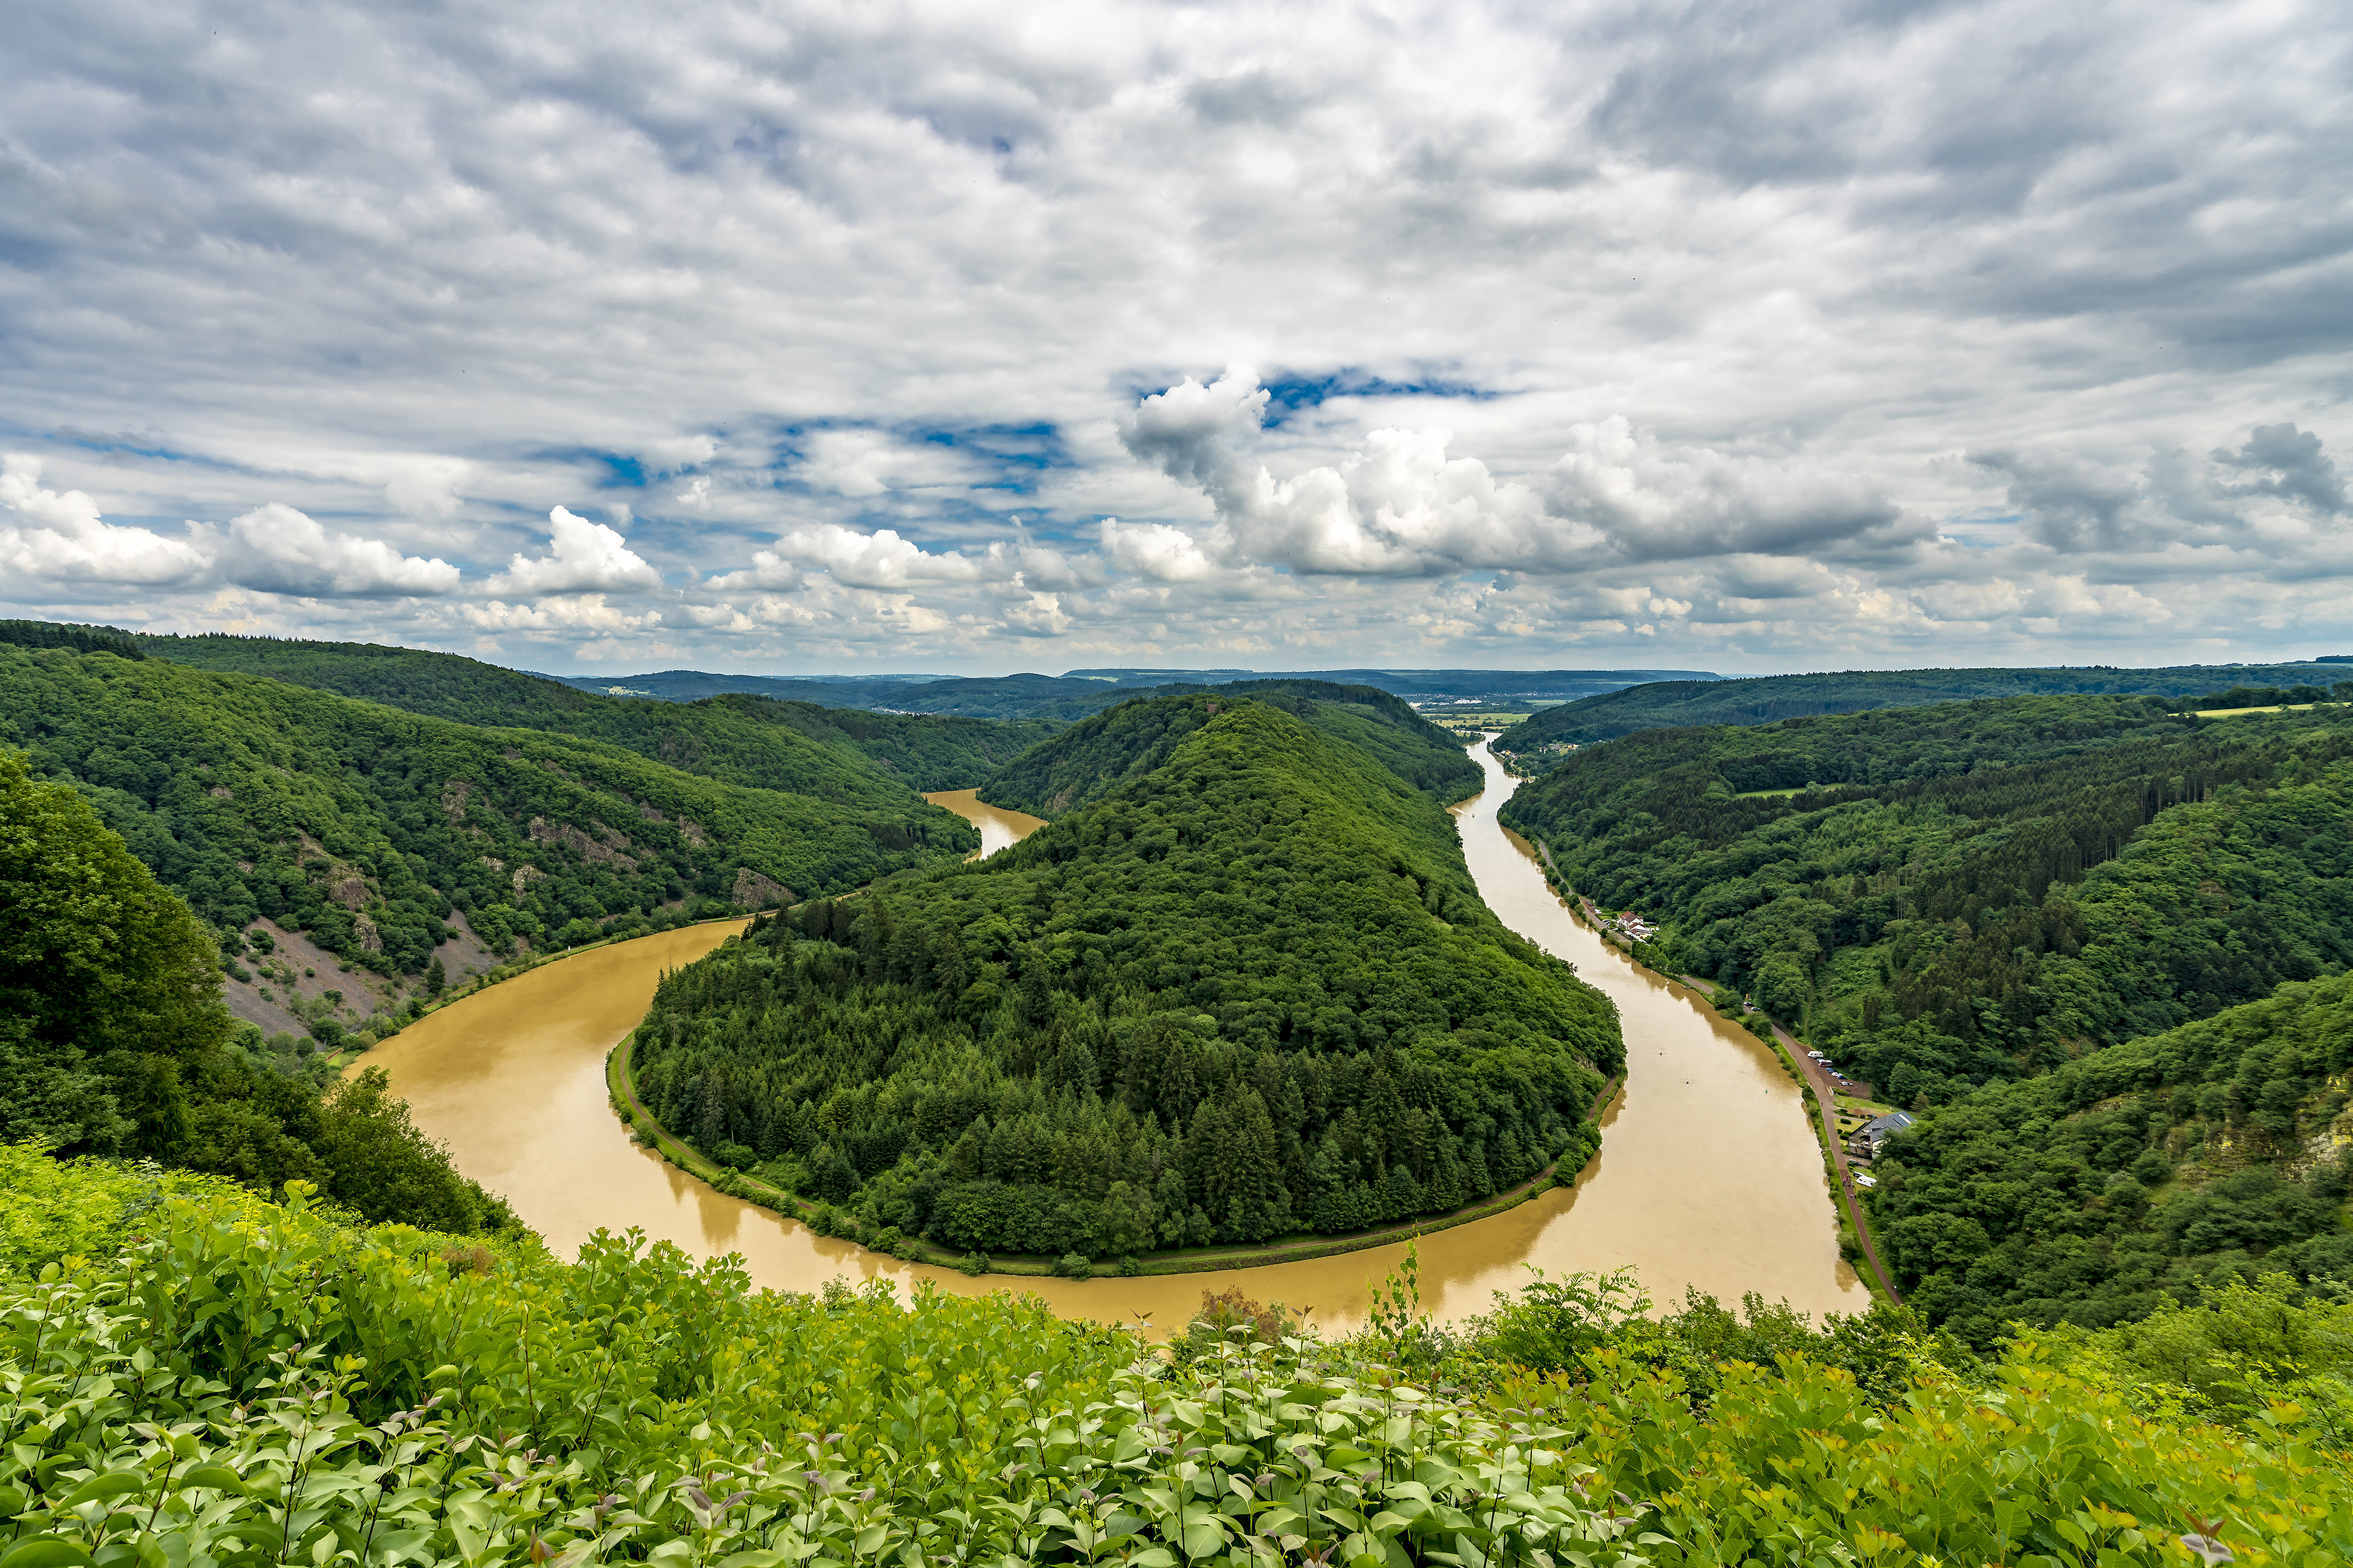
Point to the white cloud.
(1401, 505)
(583, 557)
(58, 536)
(279, 550)
(1157, 550)
(571, 613)
(1602, 297)
(427, 487)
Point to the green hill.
(1089, 760)
(840, 754)
(1248, 992)
(1972, 892)
(1763, 699)
(364, 825)
(2216, 1149)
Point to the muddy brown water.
(999, 828)
(1708, 1176)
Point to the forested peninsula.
(1098, 754)
(1249, 992)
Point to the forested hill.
(1764, 699)
(1975, 891)
(1248, 993)
(2214, 1149)
(1091, 759)
(835, 753)
(364, 825)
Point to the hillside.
(1089, 760)
(1763, 699)
(1973, 891)
(1248, 993)
(2217, 1148)
(364, 825)
(114, 1041)
(872, 760)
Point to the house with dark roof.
(1872, 1135)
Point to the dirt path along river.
(1709, 1175)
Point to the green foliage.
(108, 988)
(853, 758)
(1965, 893)
(364, 825)
(1093, 758)
(1250, 992)
(2210, 1152)
(113, 1039)
(84, 1207)
(65, 634)
(1764, 699)
(2253, 1356)
(246, 1385)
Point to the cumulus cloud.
(1654, 502)
(1562, 311)
(58, 536)
(1401, 505)
(279, 550)
(1157, 550)
(583, 557)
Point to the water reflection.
(1708, 1176)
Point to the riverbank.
(514, 969)
(1816, 1089)
(1700, 1183)
(621, 1080)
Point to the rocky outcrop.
(755, 891)
(454, 798)
(605, 849)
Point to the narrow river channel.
(1709, 1175)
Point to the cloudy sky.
(921, 337)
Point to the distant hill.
(823, 746)
(1091, 759)
(1764, 699)
(1078, 692)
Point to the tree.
(436, 978)
(111, 984)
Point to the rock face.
(349, 890)
(755, 891)
(605, 848)
(453, 799)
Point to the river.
(1708, 1176)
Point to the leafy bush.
(250, 1383)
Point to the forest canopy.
(366, 826)
(2211, 1151)
(113, 1039)
(1091, 759)
(842, 754)
(1763, 699)
(1248, 993)
(1950, 896)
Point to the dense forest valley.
(1240, 986)
(2085, 938)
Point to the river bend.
(1709, 1176)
